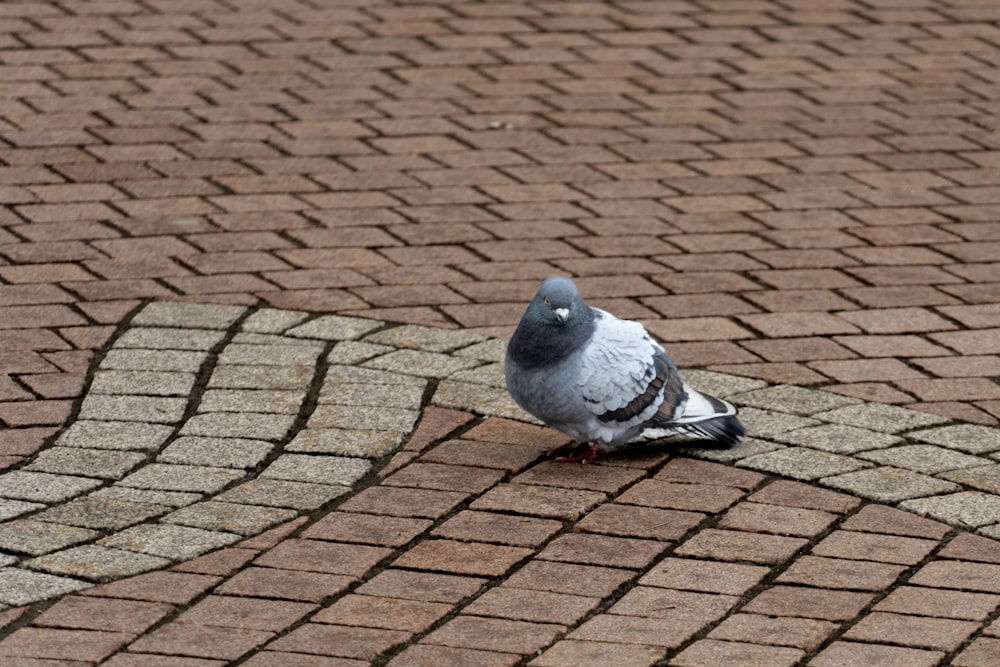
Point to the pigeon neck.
(537, 344)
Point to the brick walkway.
(800, 202)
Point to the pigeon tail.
(704, 417)
(726, 431)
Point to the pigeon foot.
(584, 452)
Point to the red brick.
(494, 634)
(468, 558)
(92, 613)
(425, 655)
(845, 653)
(425, 586)
(245, 613)
(382, 612)
(692, 497)
(804, 633)
(319, 556)
(876, 547)
(796, 494)
(498, 528)
(366, 529)
(284, 584)
(54, 644)
(602, 550)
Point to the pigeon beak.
(561, 313)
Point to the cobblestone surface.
(257, 267)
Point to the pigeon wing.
(625, 376)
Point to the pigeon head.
(558, 302)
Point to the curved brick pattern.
(289, 413)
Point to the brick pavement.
(790, 195)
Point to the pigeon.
(603, 381)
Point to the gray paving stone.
(230, 517)
(370, 375)
(881, 418)
(252, 400)
(149, 409)
(970, 438)
(239, 425)
(793, 400)
(372, 394)
(889, 485)
(747, 448)
(984, 478)
(802, 463)
(272, 320)
(990, 531)
(114, 435)
(366, 416)
(270, 377)
(333, 470)
(430, 339)
(423, 364)
(492, 350)
(969, 509)
(143, 383)
(96, 563)
(767, 423)
(178, 543)
(488, 374)
(158, 338)
(720, 384)
(135, 359)
(43, 487)
(176, 477)
(243, 354)
(148, 496)
(100, 463)
(838, 438)
(480, 399)
(187, 315)
(101, 513)
(20, 587)
(334, 327)
(355, 351)
(927, 459)
(302, 496)
(33, 537)
(12, 508)
(345, 442)
(216, 452)
(263, 339)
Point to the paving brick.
(382, 612)
(691, 497)
(245, 613)
(855, 653)
(498, 528)
(494, 634)
(468, 558)
(538, 501)
(879, 548)
(981, 652)
(57, 644)
(103, 614)
(704, 576)
(602, 550)
(804, 602)
(423, 586)
(803, 633)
